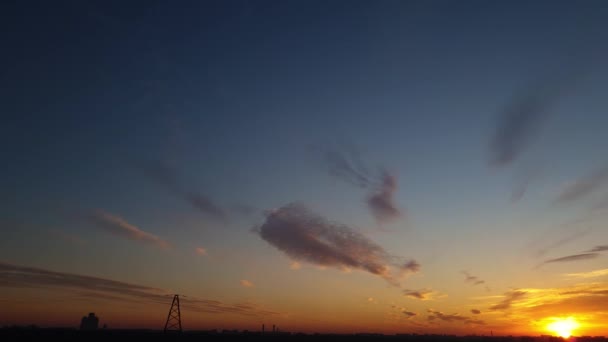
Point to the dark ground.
(37, 334)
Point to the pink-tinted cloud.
(200, 251)
(305, 236)
(246, 283)
(120, 227)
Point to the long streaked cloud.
(584, 300)
(165, 176)
(602, 248)
(471, 279)
(15, 276)
(120, 227)
(305, 236)
(346, 164)
(570, 258)
(438, 315)
(508, 299)
(591, 274)
(423, 294)
(584, 186)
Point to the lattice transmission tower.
(174, 320)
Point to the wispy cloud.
(475, 311)
(577, 233)
(508, 299)
(471, 279)
(424, 294)
(591, 274)
(165, 176)
(246, 283)
(382, 201)
(67, 237)
(200, 251)
(523, 116)
(575, 257)
(346, 164)
(584, 186)
(295, 265)
(305, 236)
(205, 205)
(120, 227)
(438, 315)
(15, 276)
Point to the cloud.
(305, 236)
(345, 163)
(411, 266)
(165, 176)
(524, 115)
(246, 283)
(382, 202)
(408, 314)
(591, 274)
(67, 237)
(14, 276)
(575, 257)
(509, 298)
(200, 251)
(571, 236)
(471, 279)
(118, 226)
(584, 186)
(424, 294)
(587, 301)
(205, 205)
(438, 315)
(475, 311)
(295, 265)
(596, 249)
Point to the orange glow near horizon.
(563, 327)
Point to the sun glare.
(563, 326)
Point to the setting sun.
(563, 327)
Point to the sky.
(342, 166)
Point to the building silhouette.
(90, 322)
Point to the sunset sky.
(325, 166)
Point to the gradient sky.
(332, 166)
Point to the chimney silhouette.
(273, 328)
(262, 328)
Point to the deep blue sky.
(239, 97)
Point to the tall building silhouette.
(90, 322)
